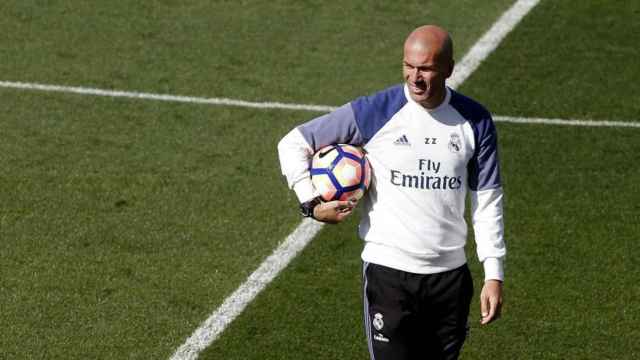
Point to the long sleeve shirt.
(424, 163)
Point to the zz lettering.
(430, 141)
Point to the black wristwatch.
(306, 208)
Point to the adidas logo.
(402, 140)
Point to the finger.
(484, 306)
(491, 315)
(345, 211)
(343, 204)
(340, 216)
(492, 309)
(498, 313)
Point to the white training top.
(423, 163)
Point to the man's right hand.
(334, 212)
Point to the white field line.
(593, 123)
(236, 302)
(276, 105)
(161, 97)
(490, 41)
(215, 324)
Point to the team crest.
(455, 144)
(378, 323)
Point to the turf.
(571, 210)
(310, 311)
(571, 230)
(303, 51)
(570, 290)
(567, 59)
(124, 223)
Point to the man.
(428, 147)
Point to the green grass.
(571, 234)
(567, 59)
(124, 223)
(570, 292)
(299, 51)
(572, 203)
(312, 310)
(121, 231)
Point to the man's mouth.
(418, 88)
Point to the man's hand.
(333, 212)
(490, 301)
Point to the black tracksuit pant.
(416, 316)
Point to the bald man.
(429, 147)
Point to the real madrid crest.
(455, 144)
(378, 323)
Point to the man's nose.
(414, 75)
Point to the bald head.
(427, 63)
(432, 39)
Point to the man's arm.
(488, 227)
(296, 150)
(486, 212)
(486, 207)
(295, 156)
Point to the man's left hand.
(490, 301)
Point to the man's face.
(425, 73)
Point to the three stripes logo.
(402, 140)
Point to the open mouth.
(418, 88)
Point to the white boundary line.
(236, 302)
(161, 97)
(278, 105)
(594, 123)
(233, 305)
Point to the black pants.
(416, 316)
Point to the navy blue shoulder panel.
(483, 167)
(470, 109)
(372, 112)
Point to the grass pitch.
(569, 293)
(120, 232)
(124, 223)
(571, 209)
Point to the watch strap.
(306, 208)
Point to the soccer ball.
(340, 172)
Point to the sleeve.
(486, 210)
(296, 149)
(486, 200)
